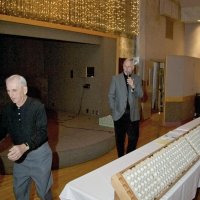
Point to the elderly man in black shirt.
(24, 119)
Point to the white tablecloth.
(190, 125)
(186, 187)
(96, 185)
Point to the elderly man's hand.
(16, 152)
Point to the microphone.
(128, 82)
(128, 76)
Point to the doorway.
(157, 82)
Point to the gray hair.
(20, 78)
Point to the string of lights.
(119, 17)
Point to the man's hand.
(130, 81)
(16, 152)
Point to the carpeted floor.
(73, 139)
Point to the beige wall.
(180, 76)
(192, 40)
(152, 41)
(67, 93)
(181, 85)
(54, 33)
(152, 45)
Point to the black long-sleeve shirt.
(26, 124)
(127, 104)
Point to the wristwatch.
(27, 146)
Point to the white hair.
(20, 78)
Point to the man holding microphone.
(124, 94)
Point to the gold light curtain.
(112, 16)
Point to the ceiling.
(190, 11)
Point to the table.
(96, 185)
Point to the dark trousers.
(123, 126)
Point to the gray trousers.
(36, 167)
